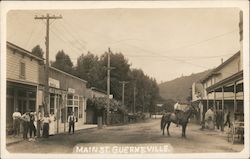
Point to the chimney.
(221, 60)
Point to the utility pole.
(134, 97)
(143, 101)
(108, 85)
(46, 95)
(123, 86)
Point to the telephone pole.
(134, 97)
(123, 86)
(108, 85)
(47, 18)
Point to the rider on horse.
(177, 110)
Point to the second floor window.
(22, 70)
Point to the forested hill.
(179, 88)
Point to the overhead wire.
(165, 56)
(72, 36)
(67, 43)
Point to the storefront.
(22, 82)
(67, 95)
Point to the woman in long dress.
(52, 124)
(46, 121)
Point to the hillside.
(179, 88)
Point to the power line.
(81, 42)
(181, 57)
(62, 39)
(69, 25)
(170, 57)
(27, 42)
(73, 36)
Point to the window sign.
(71, 90)
(54, 83)
(111, 96)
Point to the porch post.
(235, 102)
(37, 103)
(58, 109)
(207, 101)
(65, 106)
(214, 100)
(222, 98)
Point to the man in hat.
(16, 122)
(177, 110)
(71, 121)
(26, 120)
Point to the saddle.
(176, 116)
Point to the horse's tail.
(162, 121)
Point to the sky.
(165, 43)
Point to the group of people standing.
(33, 124)
(217, 118)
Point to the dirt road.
(144, 132)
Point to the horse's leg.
(168, 128)
(163, 129)
(184, 130)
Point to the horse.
(184, 116)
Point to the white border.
(243, 5)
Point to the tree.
(37, 51)
(147, 91)
(119, 73)
(94, 70)
(88, 68)
(63, 62)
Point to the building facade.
(22, 82)
(222, 88)
(68, 94)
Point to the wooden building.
(68, 94)
(22, 81)
(222, 88)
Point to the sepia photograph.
(107, 80)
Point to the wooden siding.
(230, 69)
(13, 67)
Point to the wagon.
(236, 131)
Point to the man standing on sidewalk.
(71, 120)
(16, 122)
(26, 120)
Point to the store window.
(70, 100)
(32, 105)
(76, 113)
(80, 107)
(69, 110)
(10, 91)
(73, 105)
(22, 93)
(52, 103)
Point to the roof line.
(97, 89)
(13, 46)
(68, 74)
(219, 67)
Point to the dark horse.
(169, 117)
